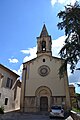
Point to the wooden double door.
(43, 103)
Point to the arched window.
(43, 46)
(6, 101)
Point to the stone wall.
(30, 104)
(9, 94)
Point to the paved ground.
(29, 116)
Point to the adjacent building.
(10, 88)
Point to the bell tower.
(44, 43)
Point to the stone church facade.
(41, 85)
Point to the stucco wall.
(17, 100)
(7, 93)
(6, 74)
(52, 80)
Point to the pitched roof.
(2, 66)
(44, 32)
(53, 57)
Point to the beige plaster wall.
(52, 80)
(6, 74)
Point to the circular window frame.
(43, 70)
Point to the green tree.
(70, 22)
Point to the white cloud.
(19, 72)
(64, 2)
(57, 45)
(76, 76)
(31, 53)
(53, 2)
(13, 60)
(25, 51)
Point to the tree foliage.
(70, 22)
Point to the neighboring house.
(41, 85)
(72, 95)
(9, 99)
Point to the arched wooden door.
(43, 103)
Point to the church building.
(41, 85)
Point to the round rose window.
(43, 70)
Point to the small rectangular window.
(0, 95)
(11, 82)
(6, 101)
(43, 60)
(62, 99)
(8, 82)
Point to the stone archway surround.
(43, 91)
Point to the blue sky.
(21, 21)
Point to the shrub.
(1, 110)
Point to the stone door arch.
(43, 98)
